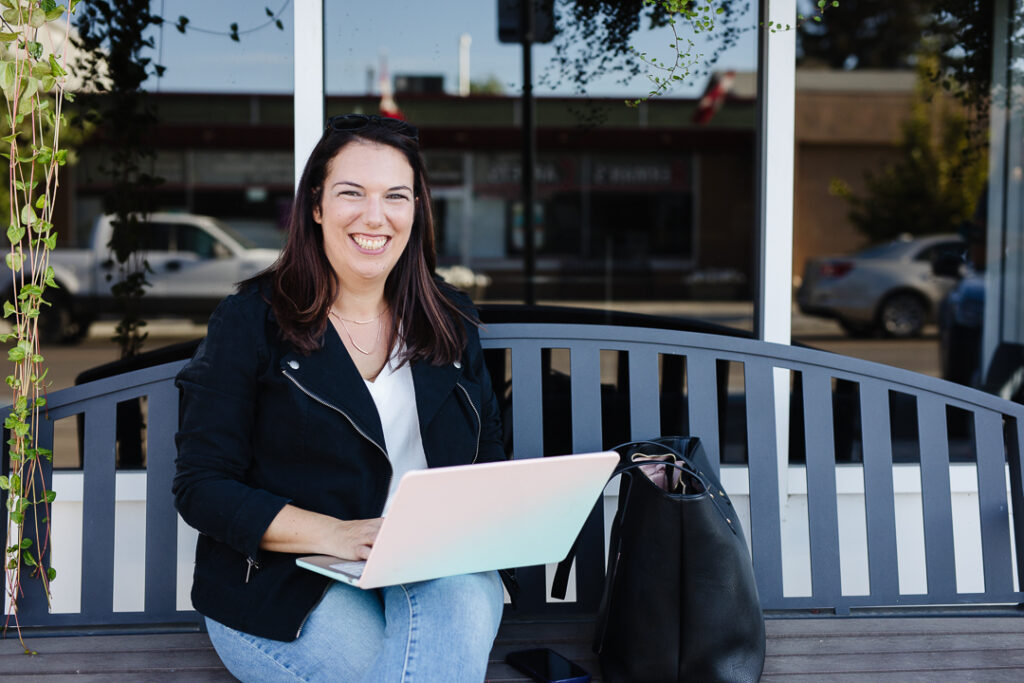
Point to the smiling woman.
(323, 381)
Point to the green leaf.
(9, 309)
(8, 75)
(15, 354)
(35, 49)
(25, 543)
(24, 108)
(41, 202)
(55, 68)
(15, 482)
(11, 16)
(55, 14)
(28, 558)
(14, 233)
(36, 18)
(8, 37)
(51, 573)
(5, 483)
(50, 496)
(14, 261)
(28, 215)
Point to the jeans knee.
(473, 602)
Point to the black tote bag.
(680, 601)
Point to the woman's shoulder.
(243, 315)
(456, 297)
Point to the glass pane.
(892, 162)
(215, 132)
(648, 209)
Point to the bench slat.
(763, 473)
(1014, 444)
(995, 530)
(161, 520)
(528, 442)
(644, 411)
(822, 514)
(585, 378)
(879, 500)
(702, 402)
(527, 397)
(937, 508)
(98, 500)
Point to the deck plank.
(975, 648)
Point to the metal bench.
(646, 367)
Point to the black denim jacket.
(262, 425)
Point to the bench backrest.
(998, 432)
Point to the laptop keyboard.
(353, 569)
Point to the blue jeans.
(440, 630)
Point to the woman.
(318, 385)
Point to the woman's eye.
(397, 195)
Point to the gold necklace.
(352, 339)
(358, 322)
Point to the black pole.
(529, 150)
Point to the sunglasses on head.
(360, 121)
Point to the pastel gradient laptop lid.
(473, 518)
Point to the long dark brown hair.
(304, 285)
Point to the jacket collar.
(330, 376)
(433, 385)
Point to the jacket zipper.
(479, 422)
(366, 436)
(250, 565)
(338, 410)
(335, 408)
(315, 605)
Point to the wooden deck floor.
(852, 649)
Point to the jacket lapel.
(328, 375)
(433, 385)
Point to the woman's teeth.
(370, 243)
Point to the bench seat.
(981, 648)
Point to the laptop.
(474, 518)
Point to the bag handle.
(560, 582)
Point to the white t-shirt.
(394, 394)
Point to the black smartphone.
(546, 665)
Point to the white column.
(778, 93)
(309, 79)
(1004, 186)
(775, 298)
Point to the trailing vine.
(33, 73)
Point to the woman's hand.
(352, 540)
(299, 531)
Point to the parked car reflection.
(888, 288)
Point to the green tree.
(864, 34)
(935, 184)
(491, 85)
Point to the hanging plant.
(33, 74)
